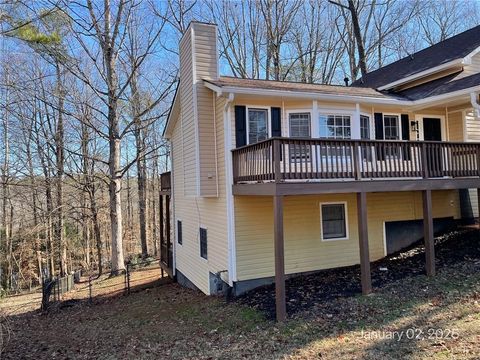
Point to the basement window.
(333, 219)
(203, 243)
(179, 232)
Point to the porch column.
(363, 242)
(279, 258)
(428, 232)
(355, 124)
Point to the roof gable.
(457, 47)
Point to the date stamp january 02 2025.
(415, 334)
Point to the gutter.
(334, 97)
(231, 247)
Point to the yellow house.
(279, 178)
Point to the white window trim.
(322, 112)
(370, 124)
(419, 118)
(347, 232)
(176, 230)
(299, 111)
(399, 124)
(269, 121)
(199, 242)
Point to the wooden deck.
(307, 166)
(283, 166)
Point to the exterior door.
(432, 131)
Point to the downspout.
(232, 257)
(474, 100)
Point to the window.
(364, 127)
(203, 243)
(257, 125)
(299, 125)
(299, 128)
(334, 221)
(366, 152)
(392, 132)
(335, 126)
(390, 126)
(179, 232)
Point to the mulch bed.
(307, 291)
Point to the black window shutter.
(379, 133)
(276, 122)
(406, 135)
(378, 126)
(240, 125)
(405, 127)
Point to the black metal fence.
(142, 274)
(54, 288)
(139, 274)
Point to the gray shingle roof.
(453, 48)
(227, 81)
(441, 86)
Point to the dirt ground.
(411, 317)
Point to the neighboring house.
(272, 178)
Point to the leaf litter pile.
(305, 292)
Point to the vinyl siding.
(196, 212)
(198, 146)
(206, 67)
(187, 118)
(472, 127)
(304, 250)
(455, 126)
(290, 105)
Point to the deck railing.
(289, 159)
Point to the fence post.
(90, 289)
(128, 279)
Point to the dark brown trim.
(279, 258)
(332, 159)
(333, 187)
(363, 243)
(428, 232)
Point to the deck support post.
(428, 232)
(167, 230)
(162, 230)
(280, 303)
(363, 243)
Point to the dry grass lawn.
(168, 321)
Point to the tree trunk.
(115, 189)
(141, 164)
(358, 37)
(59, 147)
